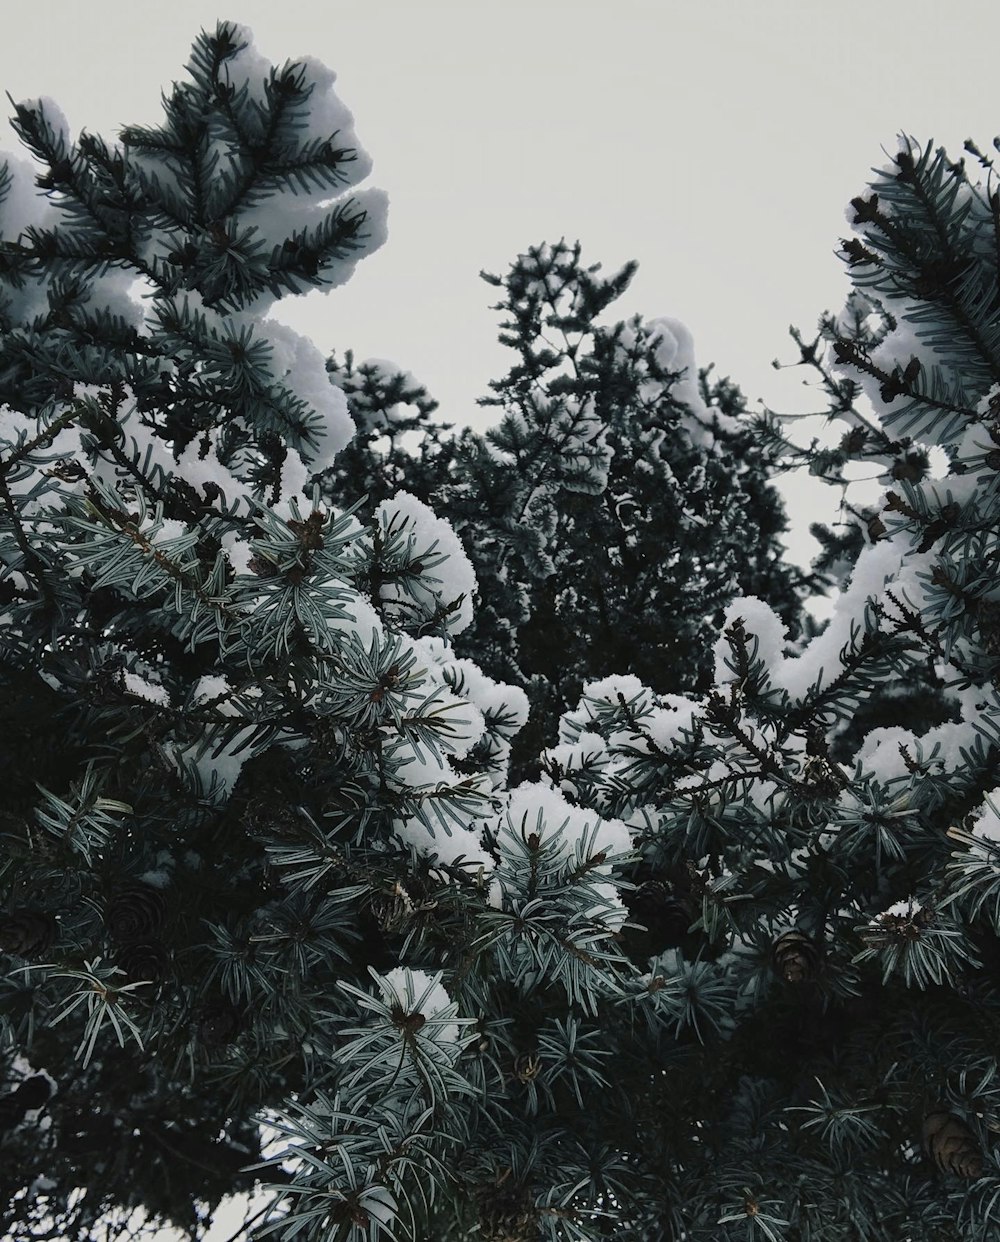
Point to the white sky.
(717, 142)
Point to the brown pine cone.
(218, 1024)
(795, 957)
(951, 1144)
(665, 914)
(135, 913)
(26, 933)
(147, 961)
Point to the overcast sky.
(717, 142)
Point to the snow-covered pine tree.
(881, 456)
(621, 501)
(242, 877)
(226, 710)
(812, 1052)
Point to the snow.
(218, 767)
(675, 352)
(247, 67)
(880, 755)
(238, 551)
(25, 204)
(157, 878)
(582, 440)
(493, 698)
(212, 686)
(319, 116)
(328, 117)
(294, 475)
(565, 832)
(534, 807)
(426, 535)
(764, 628)
(459, 726)
(199, 464)
(819, 662)
(277, 219)
(113, 291)
(379, 1203)
(900, 909)
(463, 844)
(667, 722)
(146, 689)
(325, 113)
(27, 481)
(362, 624)
(987, 822)
(600, 703)
(299, 366)
(52, 115)
(589, 751)
(417, 992)
(503, 708)
(900, 345)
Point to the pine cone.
(665, 915)
(795, 957)
(218, 1024)
(147, 961)
(506, 1213)
(951, 1144)
(135, 914)
(26, 933)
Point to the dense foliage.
(619, 503)
(727, 969)
(222, 750)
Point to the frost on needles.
(727, 970)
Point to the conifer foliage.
(619, 503)
(727, 970)
(226, 710)
(842, 988)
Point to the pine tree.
(620, 502)
(834, 1010)
(721, 973)
(223, 748)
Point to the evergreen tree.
(821, 955)
(224, 754)
(621, 501)
(260, 860)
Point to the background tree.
(820, 961)
(620, 502)
(260, 861)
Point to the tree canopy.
(621, 500)
(723, 967)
